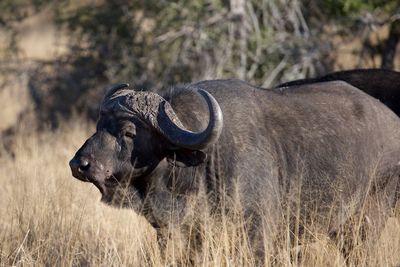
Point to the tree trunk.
(389, 52)
(238, 15)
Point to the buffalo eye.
(129, 134)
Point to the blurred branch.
(274, 73)
(188, 30)
(238, 14)
(172, 35)
(255, 56)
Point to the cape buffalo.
(379, 83)
(326, 147)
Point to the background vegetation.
(56, 57)
(155, 44)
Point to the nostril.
(84, 165)
(79, 165)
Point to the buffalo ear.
(186, 157)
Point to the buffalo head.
(135, 132)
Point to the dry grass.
(49, 218)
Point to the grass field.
(49, 218)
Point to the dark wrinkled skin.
(325, 139)
(379, 83)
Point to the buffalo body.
(326, 147)
(379, 83)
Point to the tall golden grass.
(49, 218)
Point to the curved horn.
(169, 126)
